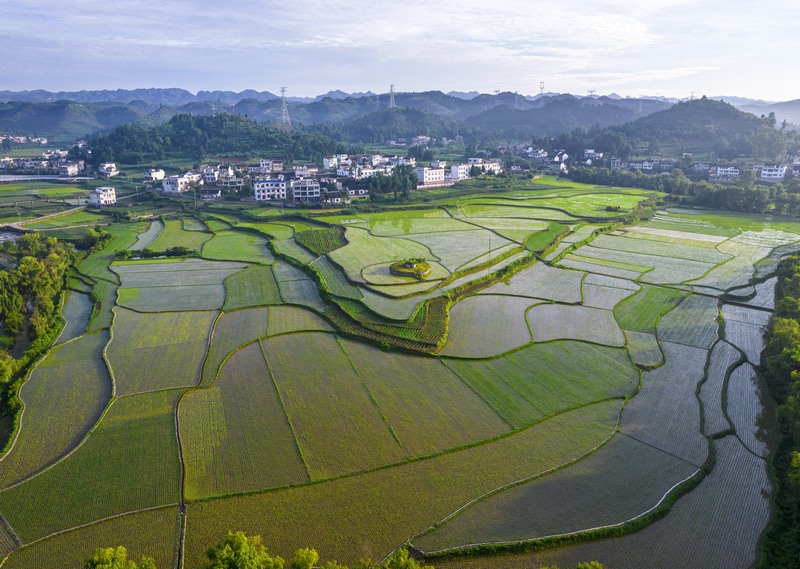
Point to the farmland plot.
(290, 248)
(484, 272)
(339, 429)
(562, 322)
(619, 482)
(254, 286)
(547, 378)
(130, 461)
(174, 235)
(665, 413)
(377, 511)
(649, 247)
(542, 282)
(739, 270)
(673, 235)
(235, 435)
(744, 328)
(723, 356)
(644, 349)
(232, 330)
(692, 322)
(751, 413)
(487, 325)
(151, 533)
(364, 249)
(396, 308)
(76, 312)
(287, 319)
(63, 399)
(146, 238)
(457, 248)
(272, 230)
(193, 224)
(296, 287)
(607, 297)
(517, 230)
(334, 279)
(187, 285)
(489, 256)
(716, 526)
(507, 211)
(158, 351)
(425, 403)
(415, 289)
(666, 270)
(394, 223)
(765, 294)
(618, 270)
(581, 234)
(381, 274)
(236, 246)
(643, 311)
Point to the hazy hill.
(706, 124)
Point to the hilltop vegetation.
(196, 136)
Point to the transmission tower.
(592, 92)
(541, 88)
(392, 104)
(284, 108)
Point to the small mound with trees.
(414, 268)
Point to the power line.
(284, 108)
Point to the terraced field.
(284, 385)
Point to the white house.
(70, 169)
(774, 173)
(154, 175)
(268, 166)
(175, 184)
(459, 171)
(726, 173)
(108, 170)
(104, 195)
(306, 190)
(330, 162)
(270, 189)
(427, 176)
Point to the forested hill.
(189, 136)
(710, 125)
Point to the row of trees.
(743, 195)
(240, 551)
(782, 370)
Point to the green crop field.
(621, 481)
(378, 511)
(232, 330)
(546, 378)
(174, 235)
(173, 345)
(64, 397)
(130, 461)
(253, 286)
(429, 408)
(236, 246)
(284, 383)
(236, 435)
(339, 428)
(151, 533)
(70, 219)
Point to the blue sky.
(666, 47)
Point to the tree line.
(743, 195)
(240, 551)
(781, 368)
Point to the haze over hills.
(65, 116)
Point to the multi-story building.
(175, 184)
(427, 176)
(104, 195)
(305, 190)
(459, 171)
(68, 170)
(270, 189)
(154, 175)
(107, 170)
(774, 173)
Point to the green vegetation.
(236, 246)
(174, 235)
(322, 241)
(254, 286)
(117, 558)
(232, 330)
(642, 311)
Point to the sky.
(630, 47)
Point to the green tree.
(304, 559)
(240, 551)
(116, 558)
(401, 559)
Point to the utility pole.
(392, 104)
(284, 108)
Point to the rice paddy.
(360, 410)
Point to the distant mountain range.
(65, 116)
